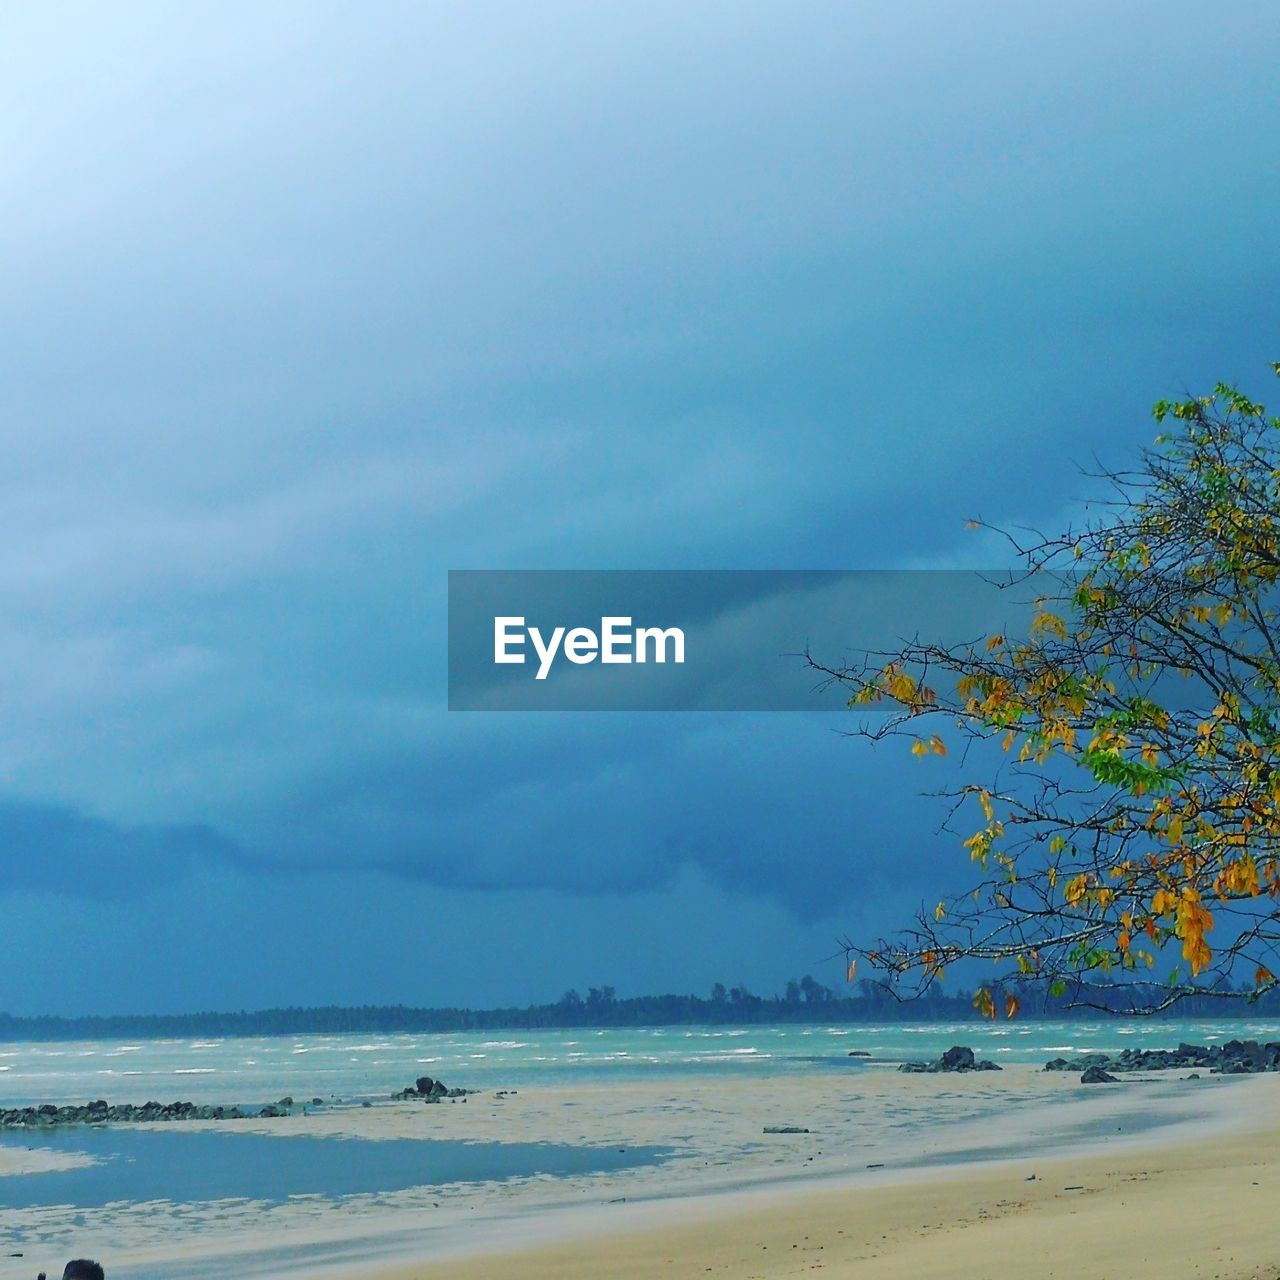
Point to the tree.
(1127, 848)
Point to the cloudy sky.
(305, 305)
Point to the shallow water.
(161, 1164)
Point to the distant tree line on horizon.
(803, 1000)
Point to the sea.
(354, 1068)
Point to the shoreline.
(876, 1136)
(1176, 1211)
(638, 1237)
(985, 1123)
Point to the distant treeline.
(803, 1001)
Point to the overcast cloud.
(305, 305)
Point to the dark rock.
(784, 1128)
(1235, 1057)
(957, 1058)
(1096, 1075)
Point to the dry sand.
(1202, 1211)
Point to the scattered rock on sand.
(1096, 1075)
(958, 1058)
(1235, 1057)
(429, 1090)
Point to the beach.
(630, 1170)
(1195, 1209)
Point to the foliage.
(1132, 830)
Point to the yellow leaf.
(853, 969)
(1011, 1006)
(937, 746)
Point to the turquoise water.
(253, 1071)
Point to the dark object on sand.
(1235, 1057)
(958, 1058)
(49, 1116)
(82, 1269)
(430, 1090)
(1096, 1075)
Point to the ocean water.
(357, 1067)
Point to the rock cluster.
(49, 1116)
(957, 1058)
(1235, 1057)
(426, 1089)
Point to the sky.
(305, 305)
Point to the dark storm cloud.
(53, 847)
(304, 307)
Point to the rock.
(784, 1128)
(957, 1058)
(1235, 1057)
(102, 1112)
(1096, 1075)
(430, 1090)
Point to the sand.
(1175, 1203)
(947, 1193)
(35, 1159)
(1202, 1211)
(1202, 1207)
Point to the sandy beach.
(1177, 1203)
(1192, 1210)
(898, 1175)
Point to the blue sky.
(305, 305)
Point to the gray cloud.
(300, 314)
